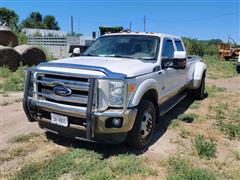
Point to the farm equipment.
(110, 29)
(229, 50)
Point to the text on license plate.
(59, 119)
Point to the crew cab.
(116, 91)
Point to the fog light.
(115, 122)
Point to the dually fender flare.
(146, 85)
(199, 70)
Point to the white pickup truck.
(116, 91)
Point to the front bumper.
(84, 122)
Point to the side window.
(179, 45)
(168, 49)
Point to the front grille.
(45, 84)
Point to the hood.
(129, 67)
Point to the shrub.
(205, 148)
(189, 117)
(13, 81)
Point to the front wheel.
(141, 134)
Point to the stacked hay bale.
(22, 54)
(10, 58)
(7, 38)
(31, 55)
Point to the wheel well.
(152, 95)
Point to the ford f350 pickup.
(116, 91)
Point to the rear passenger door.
(183, 73)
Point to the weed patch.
(195, 105)
(180, 169)
(214, 90)
(12, 81)
(228, 123)
(189, 117)
(184, 133)
(88, 165)
(205, 148)
(24, 138)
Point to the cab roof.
(144, 33)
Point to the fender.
(199, 69)
(142, 89)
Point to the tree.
(50, 23)
(9, 18)
(34, 20)
(37, 21)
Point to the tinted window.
(168, 49)
(179, 45)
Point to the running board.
(169, 104)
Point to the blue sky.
(204, 19)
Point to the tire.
(238, 69)
(200, 92)
(141, 134)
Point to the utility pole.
(130, 26)
(144, 21)
(72, 25)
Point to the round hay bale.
(7, 37)
(31, 55)
(9, 58)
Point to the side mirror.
(179, 60)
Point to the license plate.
(59, 120)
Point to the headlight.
(117, 92)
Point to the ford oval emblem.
(62, 90)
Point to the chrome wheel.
(146, 125)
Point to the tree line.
(34, 20)
(202, 47)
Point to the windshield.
(126, 46)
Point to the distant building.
(57, 43)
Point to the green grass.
(24, 138)
(228, 122)
(236, 154)
(180, 169)
(87, 165)
(214, 90)
(184, 133)
(187, 117)
(195, 105)
(12, 81)
(205, 148)
(218, 68)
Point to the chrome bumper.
(95, 121)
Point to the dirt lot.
(24, 144)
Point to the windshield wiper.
(89, 55)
